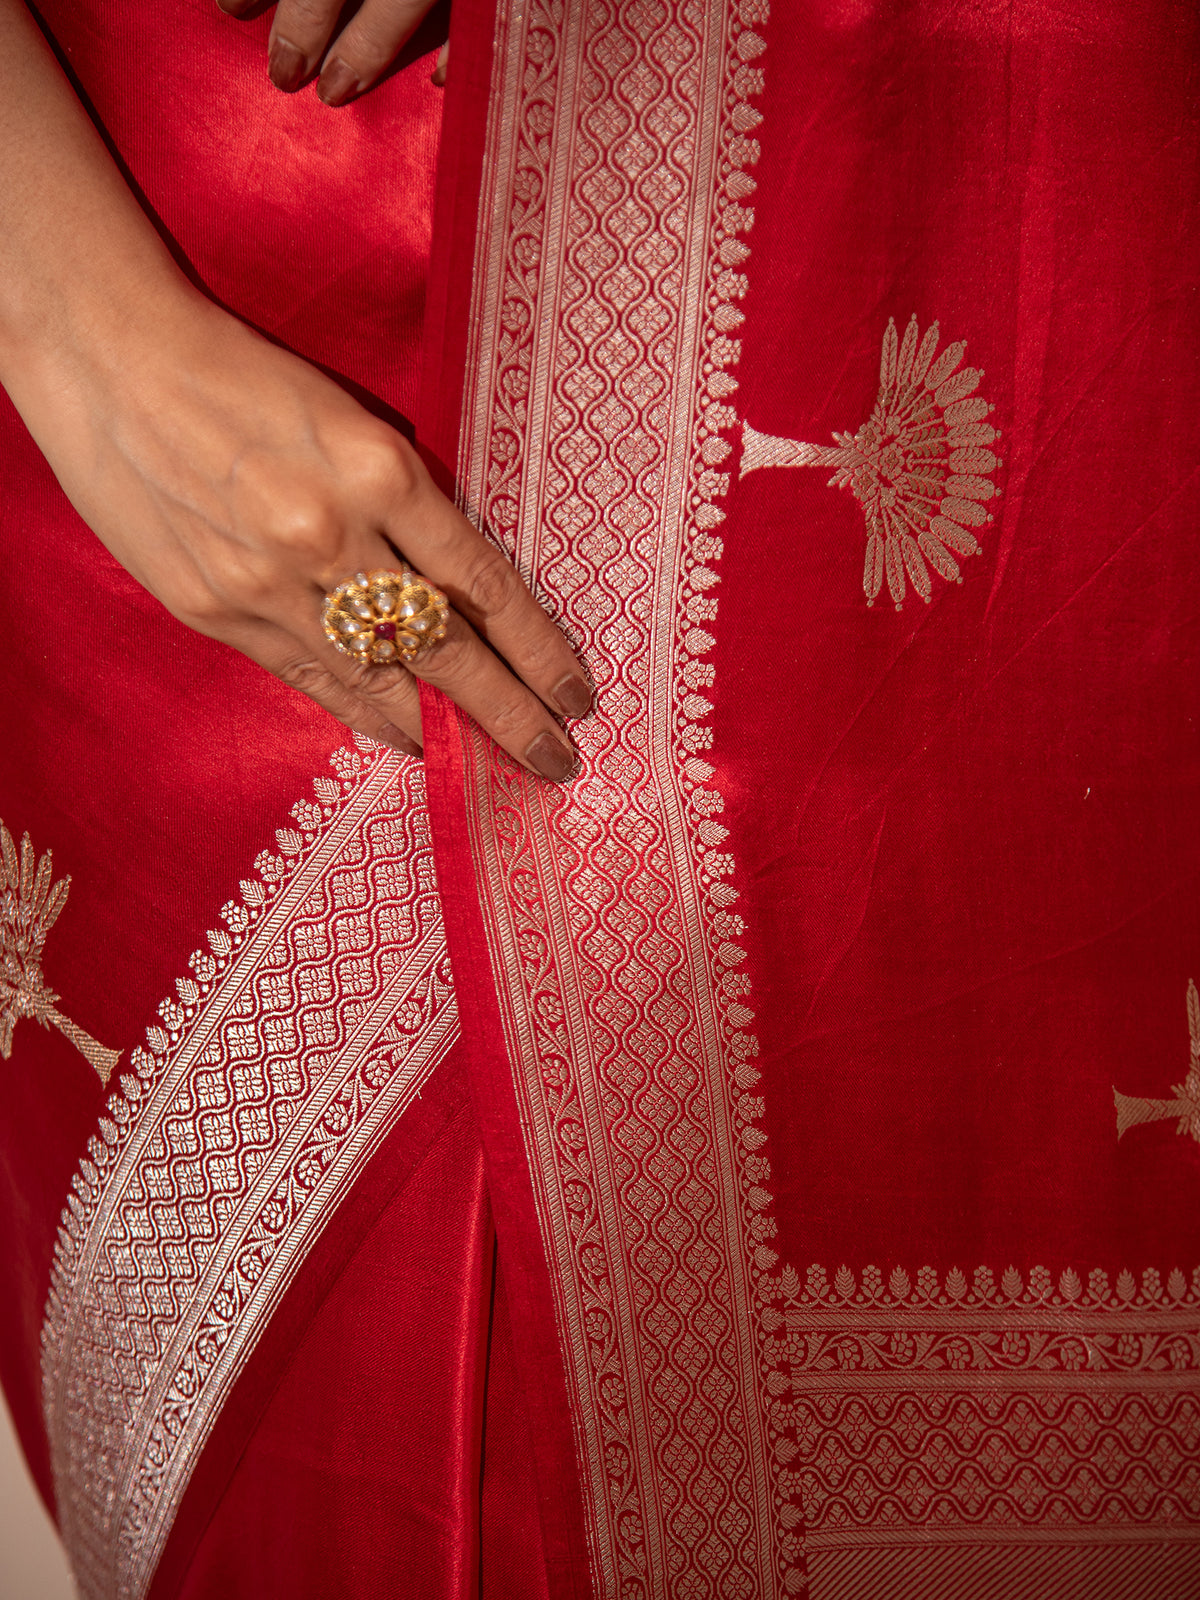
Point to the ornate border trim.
(935, 1411)
(606, 287)
(307, 1028)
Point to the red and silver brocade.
(830, 1054)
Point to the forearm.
(78, 257)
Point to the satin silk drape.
(807, 1021)
(830, 1061)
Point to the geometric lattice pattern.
(609, 267)
(307, 1025)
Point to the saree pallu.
(767, 1165)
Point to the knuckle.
(380, 465)
(202, 612)
(512, 721)
(492, 585)
(373, 683)
(310, 677)
(306, 15)
(308, 531)
(371, 39)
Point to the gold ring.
(383, 617)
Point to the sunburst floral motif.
(30, 902)
(920, 466)
(1184, 1108)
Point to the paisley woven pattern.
(310, 1022)
(609, 911)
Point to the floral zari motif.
(30, 904)
(1184, 1106)
(920, 466)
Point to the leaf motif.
(28, 863)
(974, 409)
(887, 361)
(957, 387)
(970, 488)
(925, 354)
(873, 571)
(915, 564)
(41, 887)
(968, 512)
(8, 850)
(967, 434)
(904, 361)
(945, 365)
(943, 562)
(57, 900)
(922, 1345)
(979, 462)
(955, 537)
(895, 571)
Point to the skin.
(305, 41)
(229, 477)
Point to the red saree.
(829, 1065)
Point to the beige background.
(32, 1563)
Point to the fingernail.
(572, 696)
(285, 65)
(553, 760)
(398, 740)
(338, 83)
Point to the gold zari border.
(306, 1028)
(603, 331)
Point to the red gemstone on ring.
(385, 630)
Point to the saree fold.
(822, 1065)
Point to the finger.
(487, 590)
(476, 679)
(387, 708)
(471, 675)
(367, 46)
(300, 32)
(438, 76)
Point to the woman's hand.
(238, 485)
(303, 43)
(232, 479)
